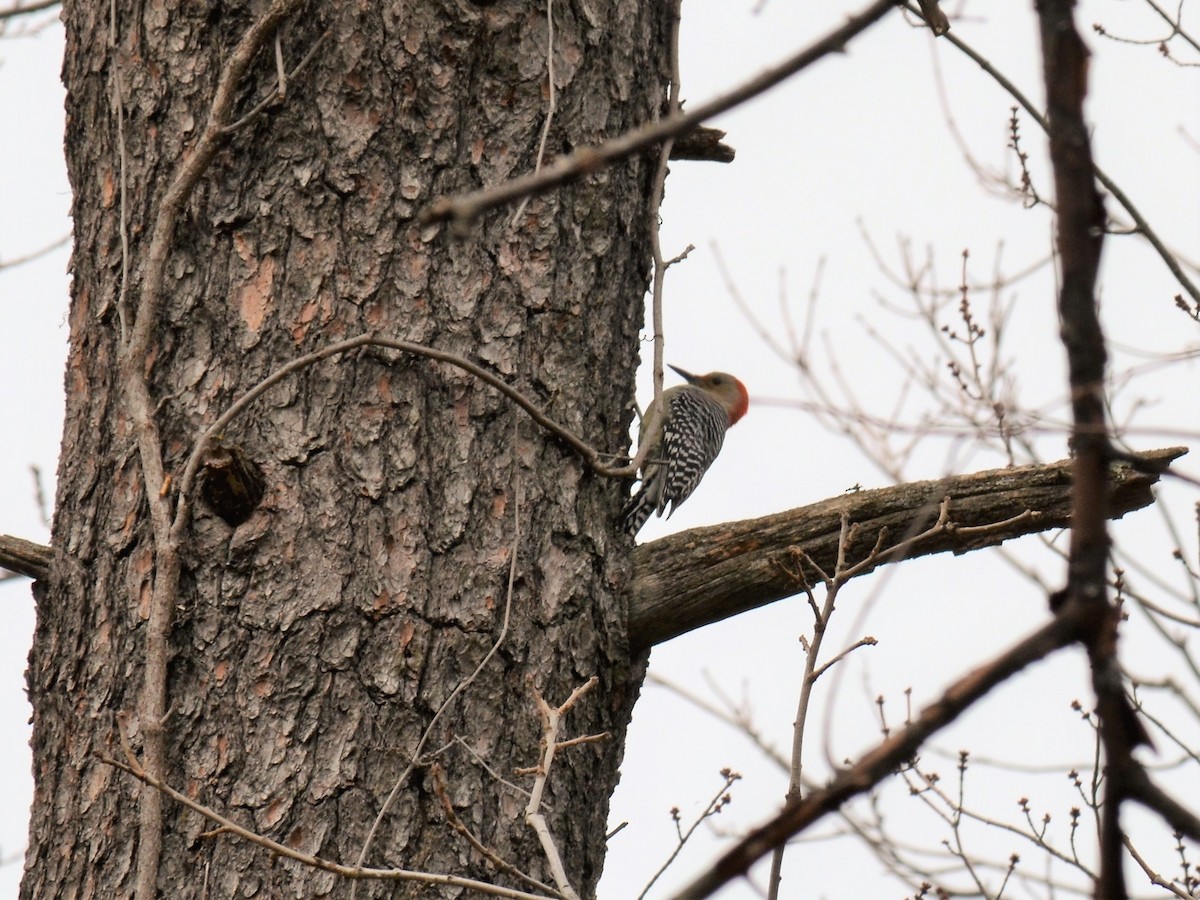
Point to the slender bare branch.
(134, 351)
(1155, 878)
(21, 9)
(442, 793)
(1143, 227)
(1151, 796)
(277, 93)
(551, 717)
(283, 851)
(719, 801)
(886, 756)
(466, 208)
(589, 454)
(654, 411)
(193, 166)
(39, 252)
(551, 107)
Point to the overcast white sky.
(860, 138)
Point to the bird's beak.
(687, 376)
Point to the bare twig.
(1162, 43)
(842, 573)
(590, 455)
(820, 670)
(439, 789)
(551, 718)
(1175, 23)
(21, 9)
(39, 494)
(1014, 142)
(134, 351)
(276, 94)
(123, 160)
(812, 648)
(889, 850)
(193, 166)
(952, 810)
(153, 698)
(654, 411)
(719, 801)
(1143, 227)
(483, 764)
(228, 826)
(736, 716)
(1154, 876)
(883, 759)
(466, 208)
(38, 253)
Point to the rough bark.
(311, 645)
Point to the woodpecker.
(684, 443)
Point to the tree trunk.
(311, 645)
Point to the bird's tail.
(639, 508)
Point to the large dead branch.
(704, 575)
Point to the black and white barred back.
(693, 432)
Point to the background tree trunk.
(312, 644)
